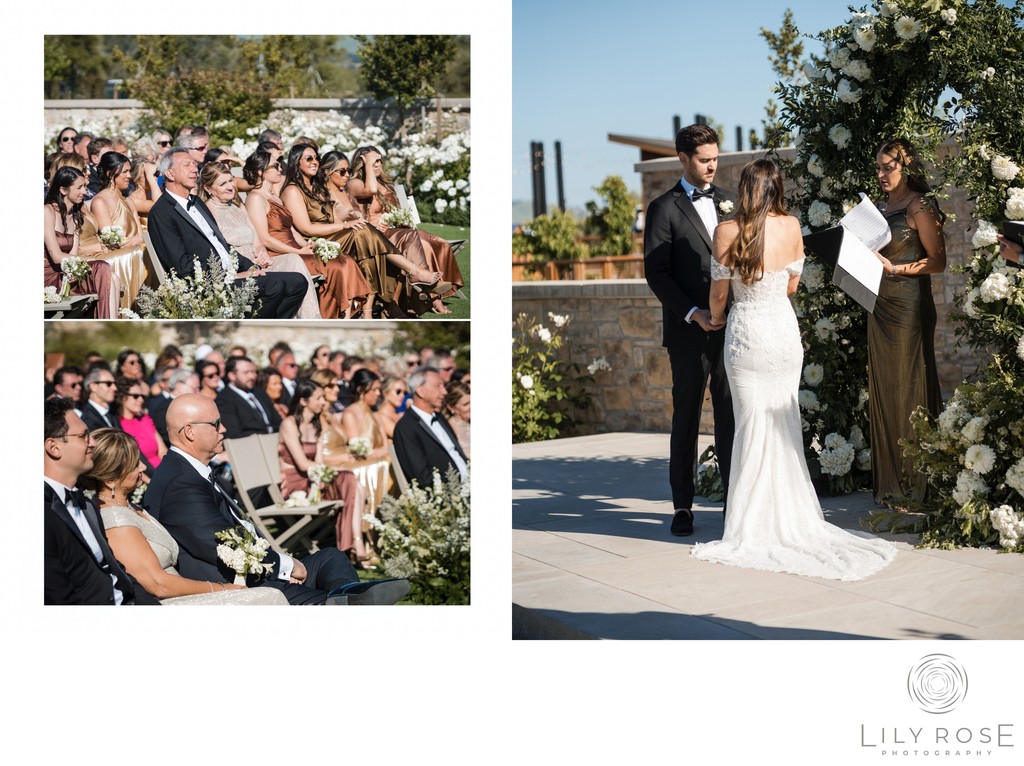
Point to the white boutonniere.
(726, 206)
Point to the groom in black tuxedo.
(678, 236)
(187, 500)
(181, 228)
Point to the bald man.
(193, 507)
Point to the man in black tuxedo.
(78, 565)
(193, 507)
(423, 438)
(100, 392)
(182, 228)
(678, 236)
(245, 409)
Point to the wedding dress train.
(774, 521)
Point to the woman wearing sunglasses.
(130, 406)
(66, 140)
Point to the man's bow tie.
(709, 193)
(77, 498)
(192, 201)
(433, 418)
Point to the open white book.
(850, 247)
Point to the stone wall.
(621, 319)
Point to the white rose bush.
(928, 70)
(548, 388)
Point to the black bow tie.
(433, 418)
(192, 201)
(698, 193)
(77, 498)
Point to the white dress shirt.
(103, 411)
(442, 436)
(705, 207)
(204, 226)
(287, 564)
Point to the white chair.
(396, 467)
(152, 261)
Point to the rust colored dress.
(420, 247)
(368, 246)
(99, 282)
(344, 487)
(344, 280)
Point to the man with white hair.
(187, 499)
(424, 441)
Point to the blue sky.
(582, 71)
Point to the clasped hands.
(707, 322)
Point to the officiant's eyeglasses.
(214, 423)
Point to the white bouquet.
(324, 249)
(112, 236)
(50, 295)
(399, 218)
(75, 269)
(241, 550)
(296, 499)
(319, 475)
(359, 446)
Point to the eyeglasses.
(134, 396)
(131, 361)
(447, 369)
(332, 385)
(211, 375)
(84, 436)
(309, 159)
(400, 391)
(103, 383)
(164, 144)
(342, 171)
(290, 364)
(214, 423)
(200, 148)
(77, 384)
(412, 362)
(66, 138)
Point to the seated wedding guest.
(182, 132)
(456, 409)
(145, 148)
(65, 142)
(78, 565)
(145, 189)
(393, 390)
(81, 143)
(352, 534)
(197, 142)
(62, 224)
(218, 191)
(349, 367)
(271, 136)
(289, 369)
(131, 365)
(97, 148)
(461, 376)
(94, 360)
(67, 383)
(359, 422)
(244, 408)
(67, 160)
(372, 189)
(141, 543)
(130, 407)
(321, 356)
(119, 144)
(181, 381)
(281, 347)
(315, 213)
(424, 440)
(171, 356)
(163, 141)
(209, 379)
(192, 507)
(268, 380)
(237, 351)
(344, 286)
(48, 161)
(334, 361)
(444, 363)
(302, 446)
(100, 391)
(183, 229)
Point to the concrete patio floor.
(592, 558)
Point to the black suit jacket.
(677, 264)
(158, 411)
(94, 421)
(177, 239)
(192, 511)
(419, 450)
(240, 419)
(71, 574)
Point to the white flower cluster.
(988, 74)
(1015, 477)
(948, 15)
(297, 499)
(985, 236)
(808, 400)
(825, 328)
(973, 432)
(76, 269)
(359, 446)
(819, 214)
(813, 374)
(907, 27)
(325, 249)
(558, 320)
(1015, 204)
(812, 277)
(847, 93)
(858, 70)
(50, 295)
(840, 136)
(526, 381)
(600, 363)
(1004, 168)
(1009, 525)
(321, 473)
(838, 455)
(1020, 348)
(112, 236)
(242, 550)
(996, 287)
(814, 166)
(979, 458)
(888, 8)
(969, 485)
(865, 36)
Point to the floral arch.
(949, 75)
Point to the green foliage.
(200, 295)
(226, 103)
(547, 388)
(424, 537)
(76, 339)
(301, 66)
(73, 66)
(550, 237)
(406, 68)
(454, 336)
(785, 52)
(613, 221)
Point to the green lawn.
(459, 308)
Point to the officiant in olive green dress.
(901, 332)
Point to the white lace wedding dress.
(774, 521)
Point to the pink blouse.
(143, 429)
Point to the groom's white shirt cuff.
(689, 315)
(284, 570)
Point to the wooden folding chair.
(396, 467)
(292, 524)
(152, 260)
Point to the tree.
(74, 66)
(406, 68)
(300, 66)
(613, 222)
(785, 54)
(551, 237)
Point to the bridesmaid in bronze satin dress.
(901, 332)
(345, 290)
(376, 193)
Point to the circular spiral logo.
(937, 683)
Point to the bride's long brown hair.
(760, 194)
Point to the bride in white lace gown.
(774, 521)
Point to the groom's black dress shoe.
(377, 593)
(682, 523)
